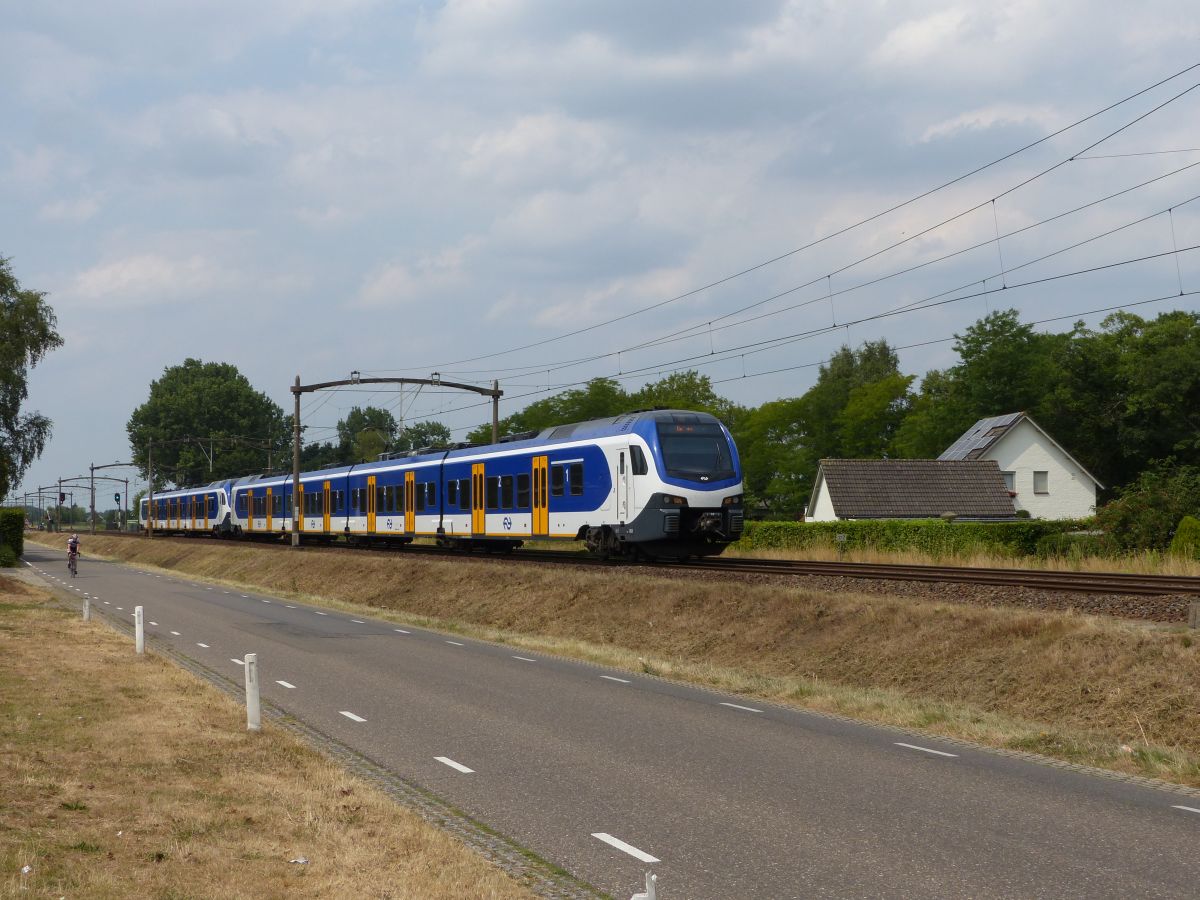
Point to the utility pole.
(296, 510)
(495, 411)
(150, 490)
(92, 487)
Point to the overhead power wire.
(874, 217)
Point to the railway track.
(1035, 579)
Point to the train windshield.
(698, 452)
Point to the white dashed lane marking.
(615, 678)
(625, 848)
(176, 633)
(401, 631)
(925, 749)
(743, 708)
(198, 644)
(1190, 809)
(447, 761)
(524, 659)
(351, 716)
(456, 643)
(240, 662)
(358, 621)
(155, 624)
(286, 685)
(319, 613)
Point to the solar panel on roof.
(980, 436)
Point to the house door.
(541, 496)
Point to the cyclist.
(72, 552)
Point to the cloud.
(145, 279)
(395, 284)
(1043, 116)
(75, 211)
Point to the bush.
(8, 559)
(1145, 515)
(1187, 538)
(932, 536)
(1074, 545)
(12, 529)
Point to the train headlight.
(735, 500)
(672, 500)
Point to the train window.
(557, 479)
(493, 492)
(431, 491)
(288, 507)
(621, 463)
(464, 493)
(420, 498)
(337, 501)
(452, 493)
(277, 504)
(523, 491)
(506, 491)
(380, 498)
(637, 460)
(576, 479)
(241, 504)
(389, 499)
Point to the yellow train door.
(410, 502)
(269, 509)
(478, 498)
(325, 510)
(541, 496)
(371, 510)
(249, 509)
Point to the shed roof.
(915, 488)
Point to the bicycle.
(73, 562)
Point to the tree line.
(1122, 398)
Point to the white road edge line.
(625, 848)
(925, 749)
(615, 678)
(1187, 808)
(447, 761)
(456, 643)
(524, 659)
(286, 685)
(745, 708)
(351, 716)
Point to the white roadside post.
(139, 630)
(253, 708)
(87, 609)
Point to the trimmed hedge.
(12, 529)
(932, 536)
(8, 559)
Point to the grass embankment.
(1091, 690)
(127, 777)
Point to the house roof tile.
(916, 488)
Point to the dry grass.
(1147, 562)
(1088, 689)
(126, 777)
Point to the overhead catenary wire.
(872, 218)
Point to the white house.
(1043, 477)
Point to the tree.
(27, 334)
(423, 434)
(365, 433)
(217, 424)
(1146, 513)
(1004, 366)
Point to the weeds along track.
(1160, 598)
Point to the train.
(648, 484)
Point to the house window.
(1041, 482)
(1010, 481)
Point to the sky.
(547, 192)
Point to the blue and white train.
(650, 483)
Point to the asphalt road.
(721, 796)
